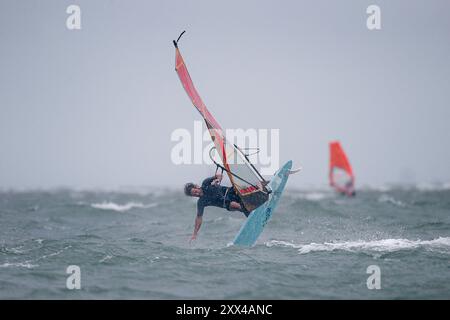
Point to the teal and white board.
(259, 217)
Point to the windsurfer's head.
(192, 190)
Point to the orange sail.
(341, 173)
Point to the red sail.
(188, 85)
(341, 173)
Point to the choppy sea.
(389, 243)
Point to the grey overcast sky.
(96, 107)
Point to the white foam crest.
(56, 253)
(433, 186)
(312, 195)
(380, 188)
(315, 196)
(385, 245)
(18, 264)
(273, 243)
(121, 207)
(106, 258)
(16, 250)
(388, 199)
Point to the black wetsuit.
(217, 196)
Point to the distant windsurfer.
(347, 190)
(341, 175)
(211, 193)
(350, 189)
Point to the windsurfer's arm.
(198, 219)
(198, 224)
(216, 179)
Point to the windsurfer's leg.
(234, 203)
(231, 201)
(235, 206)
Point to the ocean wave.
(385, 245)
(379, 188)
(388, 199)
(105, 258)
(314, 196)
(19, 264)
(56, 253)
(433, 186)
(16, 250)
(121, 208)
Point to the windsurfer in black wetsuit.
(211, 193)
(347, 190)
